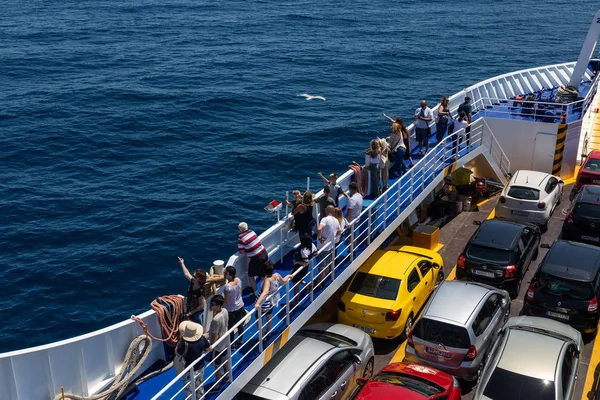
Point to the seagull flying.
(309, 97)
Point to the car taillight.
(593, 306)
(460, 263)
(409, 341)
(569, 218)
(510, 271)
(341, 306)
(531, 292)
(392, 315)
(502, 199)
(471, 354)
(542, 205)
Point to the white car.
(530, 196)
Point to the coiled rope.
(169, 311)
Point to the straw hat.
(190, 331)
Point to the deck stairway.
(377, 222)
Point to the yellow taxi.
(388, 291)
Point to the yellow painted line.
(589, 378)
(572, 179)
(401, 352)
(284, 337)
(268, 353)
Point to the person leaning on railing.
(234, 304)
(303, 215)
(336, 190)
(269, 295)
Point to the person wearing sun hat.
(192, 345)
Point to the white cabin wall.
(518, 139)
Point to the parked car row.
(461, 329)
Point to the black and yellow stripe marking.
(560, 148)
(450, 168)
(276, 345)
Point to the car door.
(568, 371)
(488, 323)
(321, 385)
(343, 366)
(426, 269)
(415, 285)
(552, 190)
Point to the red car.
(408, 382)
(589, 173)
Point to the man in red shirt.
(249, 243)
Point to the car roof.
(394, 262)
(560, 261)
(455, 301)
(542, 353)
(589, 194)
(288, 365)
(498, 234)
(431, 374)
(526, 178)
(593, 154)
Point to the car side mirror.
(545, 246)
(361, 381)
(436, 265)
(356, 359)
(477, 223)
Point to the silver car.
(321, 361)
(533, 358)
(458, 328)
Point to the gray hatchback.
(458, 327)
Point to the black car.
(566, 287)
(582, 223)
(499, 253)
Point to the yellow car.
(388, 291)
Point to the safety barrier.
(297, 302)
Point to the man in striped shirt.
(249, 243)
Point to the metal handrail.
(372, 220)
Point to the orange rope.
(168, 318)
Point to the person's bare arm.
(264, 293)
(319, 233)
(323, 177)
(185, 270)
(387, 117)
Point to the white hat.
(243, 227)
(190, 331)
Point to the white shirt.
(372, 160)
(427, 113)
(329, 229)
(234, 297)
(355, 204)
(218, 327)
(459, 127)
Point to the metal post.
(230, 372)
(352, 238)
(399, 183)
(260, 330)
(384, 210)
(192, 383)
(369, 228)
(312, 280)
(286, 206)
(287, 303)
(281, 245)
(333, 263)
(308, 183)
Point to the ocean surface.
(134, 131)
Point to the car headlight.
(455, 382)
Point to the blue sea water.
(135, 131)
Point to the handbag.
(179, 360)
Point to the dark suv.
(499, 253)
(582, 222)
(566, 287)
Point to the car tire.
(368, 371)
(440, 279)
(408, 325)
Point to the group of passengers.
(384, 158)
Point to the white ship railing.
(362, 238)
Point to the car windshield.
(587, 210)
(593, 164)
(328, 337)
(523, 193)
(505, 384)
(419, 385)
(565, 287)
(375, 286)
(449, 335)
(487, 254)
